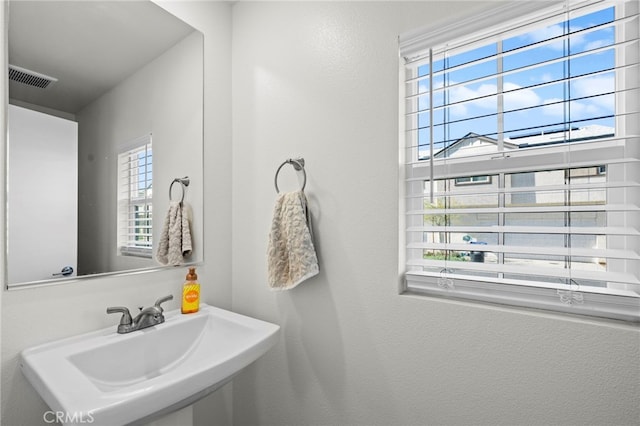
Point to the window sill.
(625, 308)
(136, 252)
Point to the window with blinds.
(135, 207)
(520, 158)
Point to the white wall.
(35, 316)
(165, 92)
(320, 80)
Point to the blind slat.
(533, 229)
(547, 250)
(532, 271)
(529, 209)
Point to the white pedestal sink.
(105, 378)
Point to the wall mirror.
(105, 111)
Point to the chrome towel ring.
(184, 182)
(298, 164)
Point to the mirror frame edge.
(4, 136)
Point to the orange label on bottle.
(191, 296)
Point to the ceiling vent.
(30, 78)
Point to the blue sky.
(144, 169)
(536, 90)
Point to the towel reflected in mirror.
(175, 240)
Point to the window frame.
(473, 180)
(126, 243)
(607, 304)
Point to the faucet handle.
(162, 300)
(126, 316)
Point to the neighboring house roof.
(575, 134)
(480, 144)
(473, 141)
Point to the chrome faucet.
(147, 317)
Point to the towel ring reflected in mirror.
(184, 182)
(298, 165)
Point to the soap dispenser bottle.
(191, 293)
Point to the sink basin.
(106, 378)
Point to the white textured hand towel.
(291, 254)
(175, 240)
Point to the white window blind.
(520, 157)
(135, 207)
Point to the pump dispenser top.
(191, 275)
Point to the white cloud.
(544, 33)
(582, 109)
(551, 32)
(546, 77)
(553, 107)
(596, 44)
(517, 97)
(464, 93)
(577, 109)
(591, 86)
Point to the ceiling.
(89, 46)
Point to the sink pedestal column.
(183, 417)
